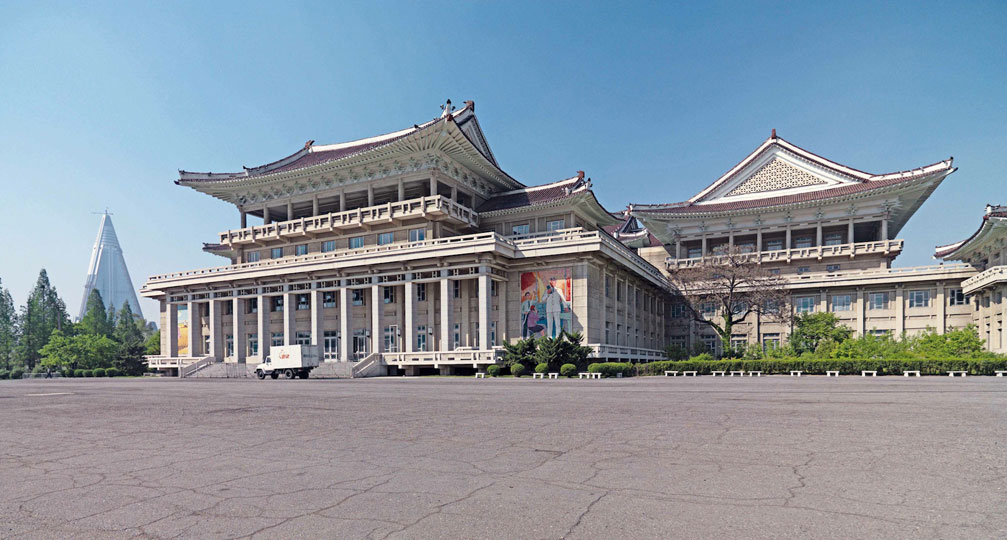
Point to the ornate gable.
(775, 176)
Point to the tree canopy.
(43, 313)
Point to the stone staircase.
(333, 370)
(221, 370)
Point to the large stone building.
(416, 251)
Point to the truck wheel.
(260, 374)
(289, 374)
(274, 375)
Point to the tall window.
(833, 238)
(253, 305)
(456, 336)
(456, 288)
(493, 333)
(832, 268)
(277, 303)
(709, 309)
(329, 299)
(520, 229)
(774, 245)
(608, 287)
(421, 338)
(957, 298)
(389, 295)
(919, 299)
(359, 298)
(678, 310)
(417, 235)
(802, 242)
(391, 342)
(303, 338)
(878, 300)
(695, 252)
(328, 245)
(229, 345)
(276, 339)
(252, 256)
(554, 225)
(421, 292)
(330, 344)
(805, 304)
(253, 344)
(841, 302)
(386, 238)
(275, 253)
(356, 242)
(301, 249)
(303, 302)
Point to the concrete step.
(333, 370)
(220, 370)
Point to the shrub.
(493, 371)
(88, 373)
(542, 368)
(99, 372)
(611, 369)
(568, 370)
(4, 374)
(16, 373)
(846, 366)
(111, 372)
(702, 357)
(78, 373)
(67, 372)
(517, 370)
(39, 369)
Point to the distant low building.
(107, 272)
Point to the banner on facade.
(545, 302)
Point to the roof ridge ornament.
(773, 135)
(446, 108)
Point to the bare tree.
(725, 289)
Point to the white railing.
(986, 277)
(163, 361)
(482, 356)
(625, 353)
(199, 364)
(422, 206)
(368, 363)
(882, 272)
(786, 255)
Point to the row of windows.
(358, 298)
(330, 340)
(775, 244)
(525, 228)
(354, 242)
(839, 302)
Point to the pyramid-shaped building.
(107, 272)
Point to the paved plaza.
(446, 458)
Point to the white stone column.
(314, 205)
(216, 330)
(465, 328)
(409, 315)
(262, 317)
(849, 232)
(818, 234)
(171, 348)
(370, 195)
(730, 241)
(758, 240)
(244, 219)
(603, 316)
(317, 316)
(502, 311)
(788, 242)
(265, 215)
(342, 201)
(824, 302)
(195, 330)
(884, 227)
(433, 186)
(704, 246)
(238, 328)
(289, 322)
(942, 309)
(375, 317)
(344, 323)
(900, 310)
(433, 339)
(861, 313)
(290, 210)
(484, 309)
(445, 311)
(401, 190)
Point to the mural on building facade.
(183, 331)
(545, 302)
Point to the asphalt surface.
(445, 458)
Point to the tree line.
(39, 337)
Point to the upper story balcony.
(434, 208)
(990, 276)
(879, 247)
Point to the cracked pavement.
(397, 458)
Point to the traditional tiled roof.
(631, 232)
(536, 195)
(949, 250)
(854, 182)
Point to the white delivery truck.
(289, 360)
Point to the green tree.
(81, 351)
(8, 328)
(152, 345)
(43, 313)
(814, 329)
(96, 317)
(129, 355)
(520, 352)
(126, 328)
(951, 344)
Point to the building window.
(493, 333)
(277, 303)
(803, 270)
(739, 342)
(417, 235)
(356, 242)
(330, 344)
(252, 256)
(608, 331)
(608, 287)
(303, 302)
(710, 342)
(842, 302)
(456, 289)
(802, 242)
(774, 245)
(389, 295)
(301, 249)
(253, 305)
(774, 271)
(554, 225)
(276, 339)
(770, 341)
(805, 304)
(678, 310)
(328, 245)
(329, 299)
(493, 288)
(303, 338)
(229, 345)
(834, 239)
(386, 238)
(421, 338)
(747, 247)
(275, 253)
(520, 229)
(359, 298)
(709, 309)
(957, 298)
(456, 336)
(879, 333)
(228, 307)
(253, 344)
(421, 292)
(832, 268)
(618, 292)
(391, 339)
(919, 299)
(694, 252)
(878, 300)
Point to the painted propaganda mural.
(545, 302)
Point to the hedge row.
(611, 369)
(931, 366)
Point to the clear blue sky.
(101, 104)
